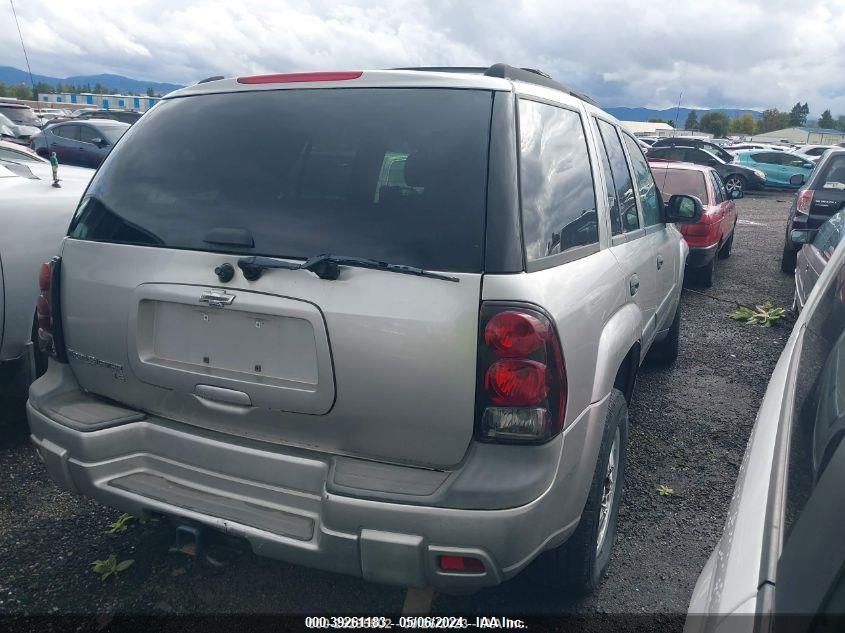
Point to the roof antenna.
(674, 132)
(25, 56)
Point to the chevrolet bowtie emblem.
(217, 299)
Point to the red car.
(713, 235)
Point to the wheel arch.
(619, 353)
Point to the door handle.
(659, 262)
(634, 284)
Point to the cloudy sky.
(720, 53)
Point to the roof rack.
(504, 71)
(207, 79)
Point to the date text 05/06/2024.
(413, 622)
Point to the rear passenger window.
(649, 196)
(612, 200)
(719, 195)
(628, 219)
(558, 199)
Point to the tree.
(692, 121)
(840, 122)
(826, 120)
(744, 125)
(772, 119)
(798, 115)
(715, 123)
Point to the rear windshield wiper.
(327, 266)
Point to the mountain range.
(14, 76)
(673, 114)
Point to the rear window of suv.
(388, 173)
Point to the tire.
(789, 259)
(735, 182)
(702, 277)
(665, 352)
(727, 247)
(582, 561)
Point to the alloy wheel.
(609, 487)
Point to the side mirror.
(683, 209)
(797, 180)
(801, 236)
(736, 194)
(712, 162)
(99, 142)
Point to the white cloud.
(718, 52)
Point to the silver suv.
(381, 323)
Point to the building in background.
(107, 102)
(802, 136)
(650, 128)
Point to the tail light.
(50, 337)
(700, 233)
(521, 375)
(805, 201)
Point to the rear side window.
(628, 219)
(397, 175)
(681, 181)
(829, 235)
(67, 131)
(558, 198)
(719, 193)
(834, 174)
(649, 196)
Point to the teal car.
(778, 166)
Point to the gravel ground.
(690, 425)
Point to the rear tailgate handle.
(226, 396)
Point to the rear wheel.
(725, 251)
(583, 560)
(735, 182)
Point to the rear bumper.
(283, 501)
(701, 255)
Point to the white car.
(35, 216)
(780, 563)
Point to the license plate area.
(273, 348)
(226, 342)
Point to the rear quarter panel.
(582, 297)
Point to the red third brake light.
(805, 201)
(282, 78)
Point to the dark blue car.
(84, 143)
